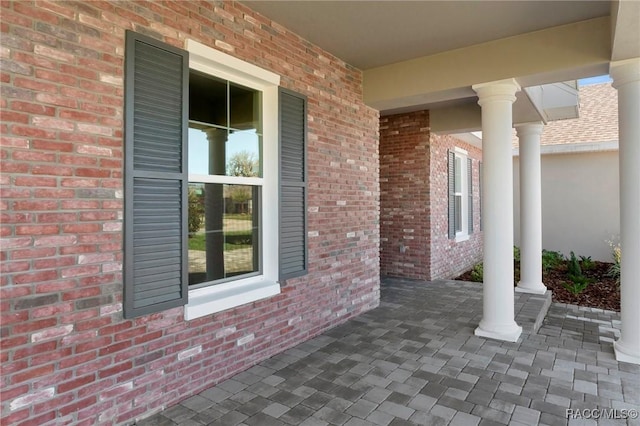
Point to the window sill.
(462, 237)
(218, 298)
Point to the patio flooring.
(415, 360)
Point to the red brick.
(43, 205)
(15, 193)
(40, 420)
(54, 193)
(14, 142)
(33, 253)
(56, 217)
(55, 262)
(76, 383)
(32, 374)
(56, 77)
(51, 170)
(80, 228)
(37, 229)
(35, 349)
(34, 156)
(35, 277)
(52, 146)
(37, 85)
(16, 117)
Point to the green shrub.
(577, 285)
(586, 263)
(477, 273)
(573, 267)
(516, 253)
(551, 259)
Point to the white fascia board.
(574, 148)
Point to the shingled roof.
(598, 121)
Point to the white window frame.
(462, 155)
(219, 297)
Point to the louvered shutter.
(293, 185)
(452, 194)
(470, 195)
(155, 193)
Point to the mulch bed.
(602, 293)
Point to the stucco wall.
(68, 356)
(580, 202)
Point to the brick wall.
(68, 356)
(414, 197)
(404, 193)
(448, 257)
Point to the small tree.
(196, 212)
(243, 163)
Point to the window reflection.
(223, 231)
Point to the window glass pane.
(207, 99)
(243, 154)
(244, 104)
(458, 208)
(458, 177)
(223, 231)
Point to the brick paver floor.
(415, 360)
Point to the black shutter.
(155, 188)
(293, 185)
(470, 195)
(452, 194)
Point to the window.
(203, 212)
(225, 180)
(460, 194)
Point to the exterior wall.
(448, 257)
(404, 195)
(580, 203)
(414, 199)
(68, 356)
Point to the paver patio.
(415, 360)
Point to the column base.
(507, 333)
(623, 354)
(537, 288)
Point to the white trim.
(216, 298)
(219, 297)
(460, 151)
(574, 148)
(230, 180)
(212, 61)
(463, 234)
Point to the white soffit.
(556, 101)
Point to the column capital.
(533, 128)
(623, 72)
(501, 90)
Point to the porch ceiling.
(427, 54)
(370, 34)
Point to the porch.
(415, 360)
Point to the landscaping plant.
(614, 270)
(578, 281)
(551, 259)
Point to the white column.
(530, 209)
(626, 78)
(496, 100)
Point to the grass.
(198, 241)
